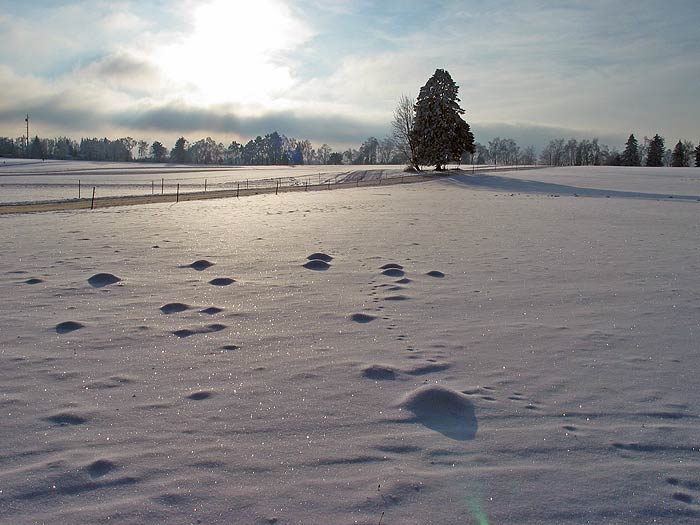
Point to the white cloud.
(236, 52)
(580, 65)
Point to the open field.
(480, 348)
(29, 182)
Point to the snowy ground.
(30, 181)
(533, 360)
(23, 180)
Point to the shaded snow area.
(445, 352)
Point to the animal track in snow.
(318, 261)
(222, 281)
(203, 330)
(68, 326)
(200, 265)
(66, 418)
(212, 310)
(320, 257)
(362, 318)
(199, 396)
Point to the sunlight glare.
(237, 53)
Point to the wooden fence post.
(238, 189)
(162, 185)
(177, 196)
(92, 204)
(78, 188)
(277, 187)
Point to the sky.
(333, 71)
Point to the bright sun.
(236, 53)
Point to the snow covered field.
(479, 349)
(24, 180)
(30, 181)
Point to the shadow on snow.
(497, 182)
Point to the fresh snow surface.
(30, 181)
(26, 180)
(458, 351)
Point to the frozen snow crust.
(471, 350)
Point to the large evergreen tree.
(158, 151)
(440, 133)
(678, 156)
(655, 156)
(630, 157)
(697, 156)
(36, 149)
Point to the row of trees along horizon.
(428, 131)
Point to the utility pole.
(27, 147)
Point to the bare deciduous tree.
(143, 149)
(404, 118)
(688, 151)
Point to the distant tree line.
(270, 149)
(651, 152)
(402, 147)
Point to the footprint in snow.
(362, 318)
(100, 280)
(68, 326)
(199, 265)
(222, 281)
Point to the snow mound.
(201, 265)
(100, 468)
(103, 279)
(317, 264)
(174, 308)
(68, 326)
(379, 373)
(222, 281)
(443, 410)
